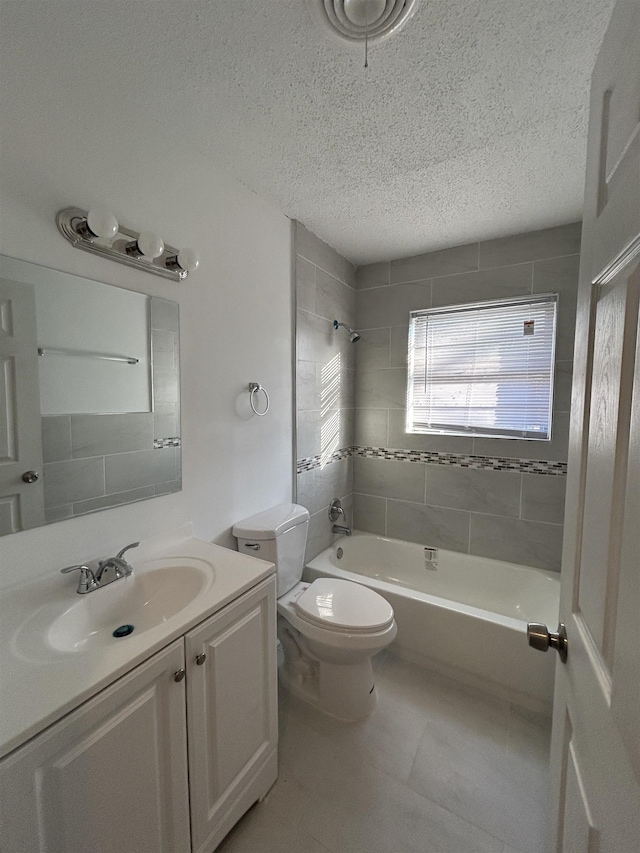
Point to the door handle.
(541, 638)
(30, 476)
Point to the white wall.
(62, 146)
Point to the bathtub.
(465, 618)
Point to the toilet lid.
(344, 606)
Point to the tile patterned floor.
(437, 768)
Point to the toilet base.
(347, 691)
(344, 691)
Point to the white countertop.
(39, 683)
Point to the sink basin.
(146, 599)
(143, 600)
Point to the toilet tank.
(278, 535)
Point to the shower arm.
(353, 335)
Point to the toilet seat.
(343, 607)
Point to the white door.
(596, 718)
(232, 713)
(21, 502)
(111, 777)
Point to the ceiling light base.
(354, 21)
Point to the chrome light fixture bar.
(99, 233)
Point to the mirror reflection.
(90, 396)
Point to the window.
(483, 369)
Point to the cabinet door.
(111, 777)
(231, 713)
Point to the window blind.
(483, 369)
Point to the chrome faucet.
(335, 511)
(119, 566)
(110, 569)
(87, 582)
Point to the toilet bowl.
(329, 629)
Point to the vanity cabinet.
(111, 776)
(167, 758)
(232, 714)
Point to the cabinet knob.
(200, 659)
(179, 675)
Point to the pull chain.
(366, 40)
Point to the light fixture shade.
(150, 245)
(188, 259)
(364, 12)
(357, 21)
(101, 223)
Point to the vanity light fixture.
(98, 232)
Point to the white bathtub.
(466, 618)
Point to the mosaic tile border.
(429, 457)
(161, 443)
(496, 463)
(311, 462)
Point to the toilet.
(329, 629)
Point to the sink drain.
(123, 631)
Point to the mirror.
(89, 395)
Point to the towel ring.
(254, 387)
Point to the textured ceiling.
(469, 124)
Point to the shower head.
(353, 336)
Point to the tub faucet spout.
(335, 511)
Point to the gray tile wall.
(93, 462)
(503, 514)
(506, 515)
(325, 362)
(96, 461)
(165, 343)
